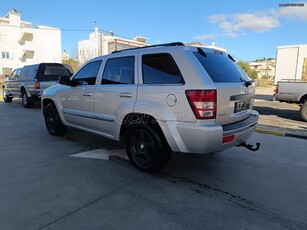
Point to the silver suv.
(161, 99)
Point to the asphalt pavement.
(278, 118)
(47, 182)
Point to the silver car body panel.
(100, 109)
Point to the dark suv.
(30, 81)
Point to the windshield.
(220, 67)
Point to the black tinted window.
(119, 71)
(160, 69)
(51, 72)
(15, 74)
(88, 74)
(28, 71)
(220, 67)
(56, 70)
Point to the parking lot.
(278, 116)
(83, 181)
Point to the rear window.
(52, 72)
(220, 67)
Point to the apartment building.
(23, 43)
(265, 67)
(100, 43)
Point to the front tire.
(145, 147)
(6, 98)
(303, 111)
(53, 121)
(26, 101)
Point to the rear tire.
(53, 121)
(26, 101)
(303, 111)
(145, 147)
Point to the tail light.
(37, 85)
(276, 89)
(203, 103)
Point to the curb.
(280, 133)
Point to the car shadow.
(37, 104)
(282, 113)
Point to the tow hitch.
(250, 147)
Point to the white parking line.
(102, 154)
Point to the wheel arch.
(23, 88)
(134, 118)
(46, 101)
(303, 99)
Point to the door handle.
(125, 95)
(87, 94)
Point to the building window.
(5, 55)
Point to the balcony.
(25, 36)
(26, 54)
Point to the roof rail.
(145, 47)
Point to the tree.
(75, 65)
(250, 72)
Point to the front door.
(77, 101)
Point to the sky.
(249, 30)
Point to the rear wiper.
(201, 52)
(248, 83)
(231, 58)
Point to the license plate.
(242, 105)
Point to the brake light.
(203, 103)
(37, 85)
(276, 89)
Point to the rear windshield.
(52, 72)
(220, 67)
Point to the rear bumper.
(207, 138)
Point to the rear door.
(235, 91)
(115, 96)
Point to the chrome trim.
(241, 97)
(89, 115)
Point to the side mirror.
(64, 80)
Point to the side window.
(14, 74)
(32, 71)
(18, 73)
(160, 69)
(25, 71)
(88, 74)
(119, 71)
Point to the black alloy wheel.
(146, 148)
(53, 121)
